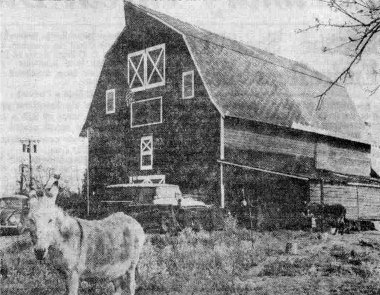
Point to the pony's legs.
(118, 285)
(72, 283)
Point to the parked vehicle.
(13, 214)
(161, 208)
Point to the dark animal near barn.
(328, 216)
(106, 249)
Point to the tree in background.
(362, 25)
(42, 175)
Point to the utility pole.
(27, 146)
(22, 167)
(21, 178)
(30, 165)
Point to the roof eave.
(83, 132)
(302, 127)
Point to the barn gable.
(166, 128)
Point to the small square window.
(110, 101)
(188, 85)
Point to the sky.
(52, 53)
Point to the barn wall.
(298, 152)
(336, 194)
(369, 202)
(186, 144)
(361, 202)
(269, 147)
(251, 140)
(343, 157)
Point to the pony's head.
(46, 220)
(42, 219)
(48, 226)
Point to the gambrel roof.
(250, 83)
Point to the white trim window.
(146, 68)
(110, 101)
(136, 70)
(146, 153)
(146, 112)
(188, 84)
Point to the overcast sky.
(52, 53)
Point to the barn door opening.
(265, 201)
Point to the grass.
(233, 261)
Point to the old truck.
(161, 208)
(13, 214)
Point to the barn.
(178, 104)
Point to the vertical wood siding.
(252, 140)
(349, 160)
(361, 202)
(336, 194)
(369, 202)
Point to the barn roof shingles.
(250, 83)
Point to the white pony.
(107, 249)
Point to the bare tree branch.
(362, 25)
(343, 75)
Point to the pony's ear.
(53, 192)
(50, 183)
(53, 187)
(65, 227)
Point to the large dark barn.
(179, 104)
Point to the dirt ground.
(233, 261)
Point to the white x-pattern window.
(136, 70)
(146, 68)
(146, 153)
